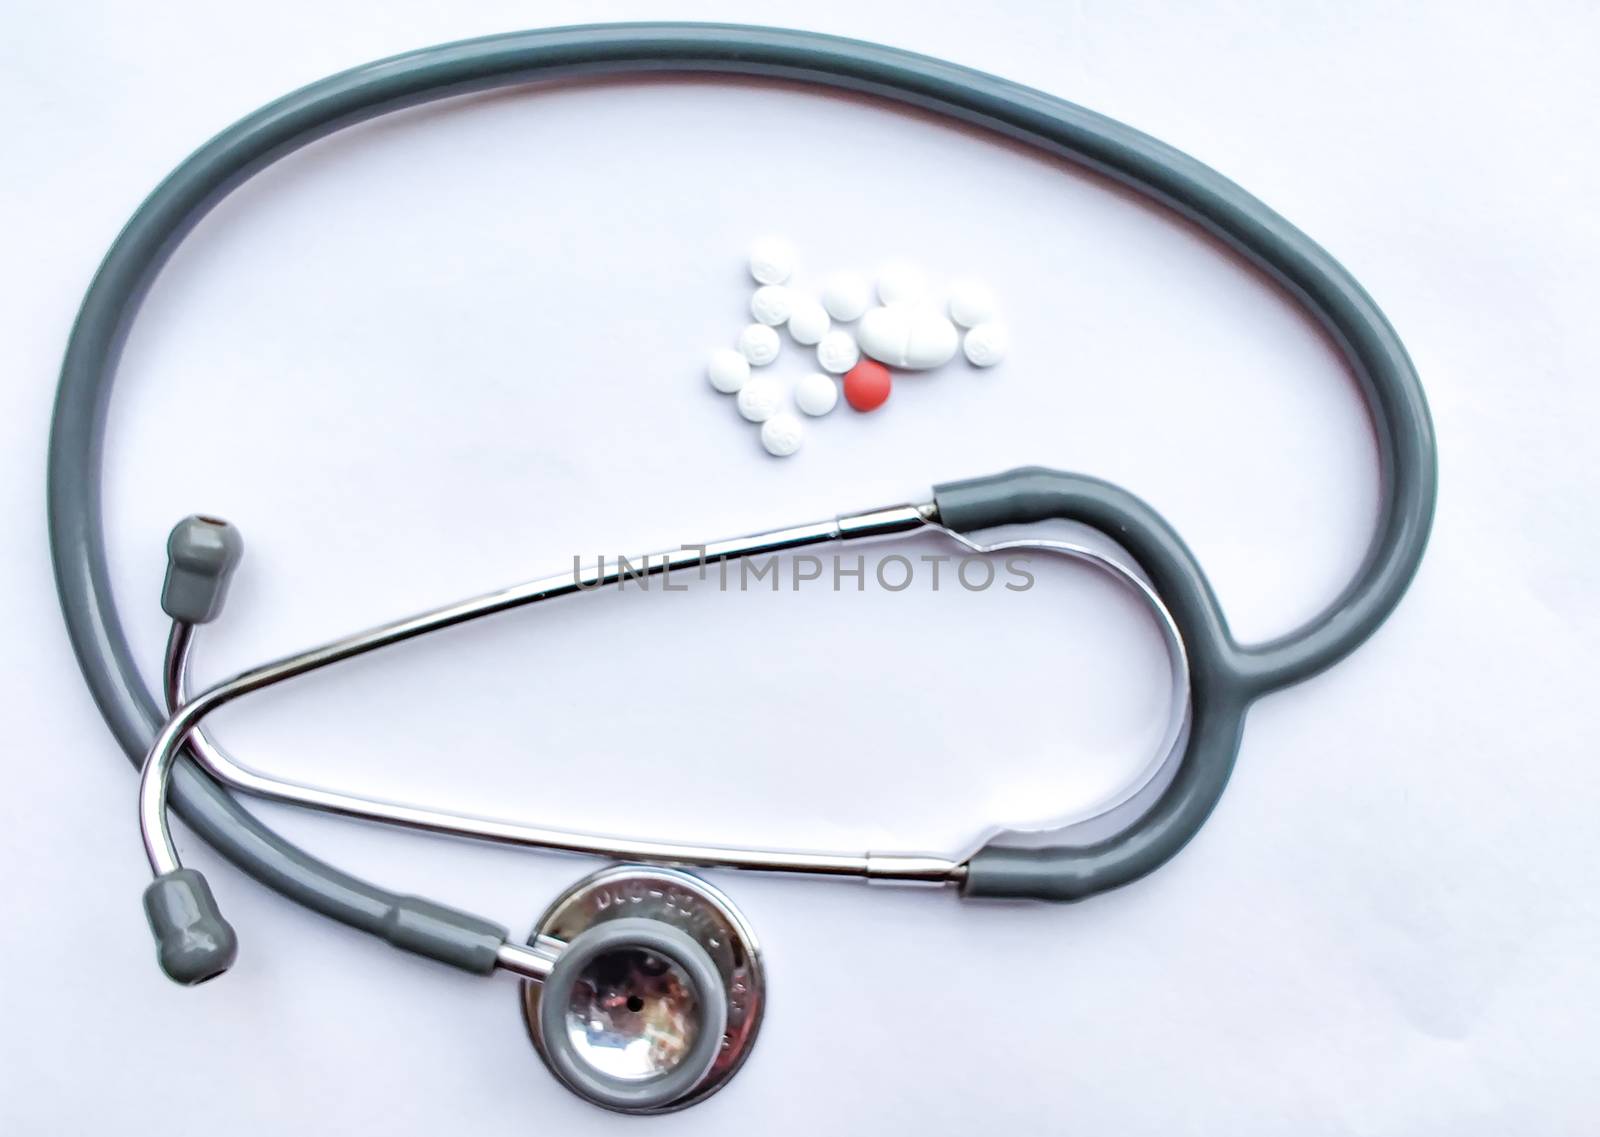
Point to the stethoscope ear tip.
(193, 942)
(202, 553)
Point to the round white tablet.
(728, 370)
(771, 304)
(837, 352)
(816, 394)
(782, 434)
(808, 320)
(771, 260)
(971, 302)
(901, 282)
(760, 398)
(759, 344)
(986, 344)
(846, 296)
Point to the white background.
(448, 350)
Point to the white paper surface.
(449, 350)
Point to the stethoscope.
(642, 984)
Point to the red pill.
(866, 385)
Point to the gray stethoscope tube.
(1225, 676)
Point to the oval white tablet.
(758, 344)
(760, 398)
(808, 320)
(770, 304)
(901, 283)
(913, 336)
(816, 394)
(971, 302)
(782, 434)
(728, 370)
(837, 351)
(771, 260)
(987, 344)
(846, 296)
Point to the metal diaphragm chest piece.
(622, 1018)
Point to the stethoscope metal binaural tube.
(152, 812)
(896, 520)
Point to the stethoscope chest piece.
(655, 994)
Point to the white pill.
(913, 336)
(728, 370)
(971, 302)
(987, 344)
(759, 344)
(901, 283)
(808, 320)
(771, 260)
(782, 434)
(760, 398)
(846, 296)
(816, 394)
(837, 351)
(771, 304)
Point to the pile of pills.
(907, 329)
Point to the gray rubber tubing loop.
(711, 1005)
(1227, 677)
